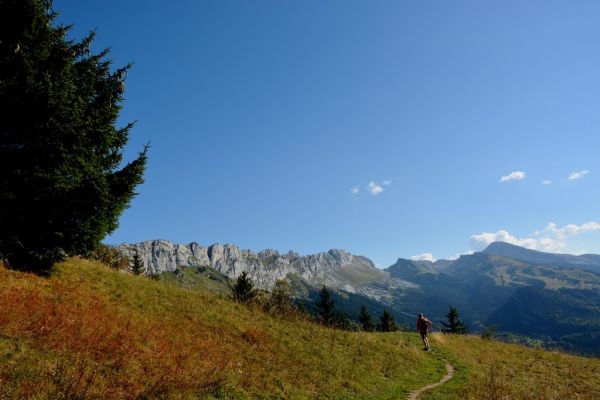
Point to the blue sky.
(383, 128)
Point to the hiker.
(423, 325)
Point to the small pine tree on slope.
(454, 324)
(137, 264)
(326, 307)
(282, 298)
(62, 183)
(365, 319)
(243, 290)
(388, 323)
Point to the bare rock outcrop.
(335, 268)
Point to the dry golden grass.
(507, 371)
(90, 332)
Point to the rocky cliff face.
(335, 268)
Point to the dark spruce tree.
(137, 264)
(62, 182)
(326, 307)
(387, 323)
(365, 319)
(243, 289)
(454, 325)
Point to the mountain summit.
(586, 261)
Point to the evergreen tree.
(365, 319)
(454, 325)
(341, 321)
(243, 289)
(325, 307)
(281, 300)
(387, 323)
(137, 264)
(61, 186)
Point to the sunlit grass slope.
(489, 369)
(88, 332)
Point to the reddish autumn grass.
(91, 332)
(98, 349)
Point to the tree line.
(281, 300)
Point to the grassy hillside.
(90, 332)
(208, 279)
(496, 370)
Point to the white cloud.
(578, 174)
(572, 229)
(374, 188)
(551, 239)
(546, 182)
(513, 176)
(481, 241)
(457, 256)
(424, 257)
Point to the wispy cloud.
(546, 182)
(513, 176)
(424, 257)
(578, 174)
(457, 256)
(551, 239)
(375, 188)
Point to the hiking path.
(414, 395)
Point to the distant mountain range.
(554, 298)
(585, 261)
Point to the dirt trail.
(414, 395)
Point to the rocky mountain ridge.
(335, 268)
